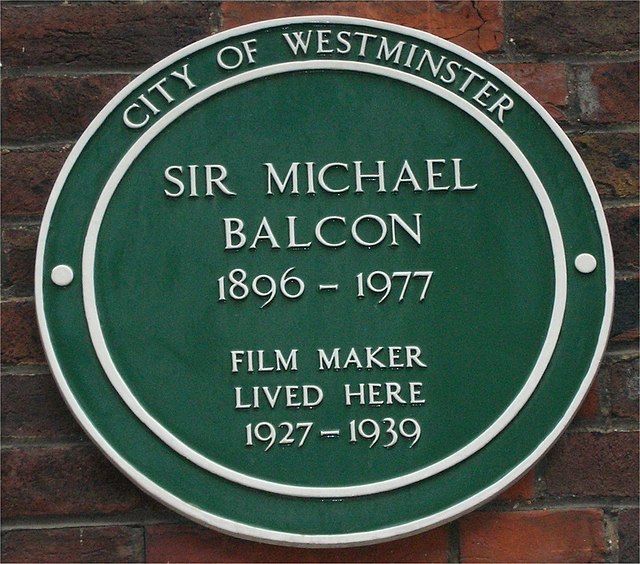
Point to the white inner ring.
(100, 346)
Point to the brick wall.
(63, 501)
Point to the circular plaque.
(324, 281)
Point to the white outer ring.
(325, 540)
(118, 382)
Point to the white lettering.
(407, 175)
(388, 53)
(134, 124)
(298, 42)
(282, 185)
(457, 177)
(322, 182)
(184, 76)
(432, 174)
(233, 228)
(175, 181)
(502, 105)
(265, 233)
(319, 227)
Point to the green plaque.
(324, 281)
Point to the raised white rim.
(364, 537)
(102, 349)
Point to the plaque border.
(243, 530)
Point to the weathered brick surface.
(569, 28)
(628, 550)
(612, 161)
(52, 108)
(64, 480)
(623, 387)
(614, 392)
(608, 93)
(533, 536)
(625, 313)
(101, 34)
(477, 26)
(27, 180)
(591, 407)
(523, 490)
(547, 83)
(32, 408)
(593, 464)
(18, 257)
(82, 544)
(20, 336)
(623, 226)
(190, 543)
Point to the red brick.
(628, 550)
(82, 544)
(20, 336)
(523, 490)
(27, 180)
(562, 27)
(18, 258)
(623, 387)
(591, 407)
(64, 480)
(190, 543)
(623, 226)
(477, 26)
(547, 83)
(99, 34)
(593, 464)
(533, 536)
(612, 160)
(46, 108)
(608, 93)
(32, 408)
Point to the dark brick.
(103, 34)
(623, 387)
(20, 337)
(18, 258)
(190, 543)
(64, 480)
(625, 313)
(593, 464)
(572, 27)
(477, 26)
(547, 83)
(623, 226)
(628, 536)
(612, 160)
(32, 408)
(608, 93)
(533, 536)
(50, 108)
(27, 180)
(82, 544)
